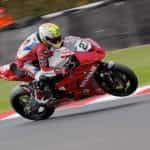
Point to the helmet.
(50, 34)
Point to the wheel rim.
(116, 82)
(121, 82)
(23, 101)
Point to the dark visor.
(54, 40)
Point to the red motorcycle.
(88, 76)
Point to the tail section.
(7, 74)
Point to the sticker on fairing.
(82, 45)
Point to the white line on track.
(92, 5)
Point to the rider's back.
(27, 46)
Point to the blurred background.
(25, 8)
(115, 24)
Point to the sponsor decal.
(43, 61)
(89, 75)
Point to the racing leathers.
(47, 59)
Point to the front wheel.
(20, 100)
(116, 79)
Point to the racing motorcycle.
(88, 76)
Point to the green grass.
(137, 58)
(5, 90)
(25, 8)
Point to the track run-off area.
(104, 122)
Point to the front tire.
(116, 79)
(19, 99)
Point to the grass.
(5, 90)
(25, 8)
(137, 58)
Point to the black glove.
(49, 81)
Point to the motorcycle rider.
(50, 50)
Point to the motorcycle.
(88, 76)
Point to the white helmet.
(50, 34)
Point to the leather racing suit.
(32, 52)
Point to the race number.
(82, 45)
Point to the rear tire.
(19, 99)
(116, 79)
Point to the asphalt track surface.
(117, 125)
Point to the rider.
(48, 49)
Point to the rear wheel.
(20, 99)
(116, 79)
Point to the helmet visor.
(54, 40)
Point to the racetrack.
(122, 124)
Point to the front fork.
(42, 96)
